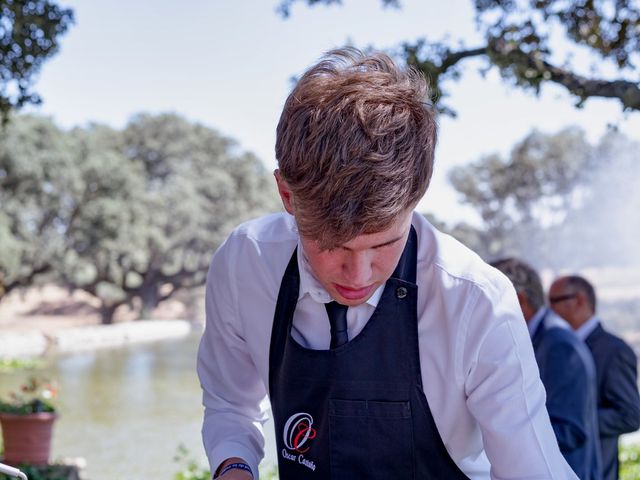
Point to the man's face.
(353, 271)
(563, 301)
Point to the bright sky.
(228, 64)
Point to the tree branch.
(454, 57)
(627, 92)
(532, 69)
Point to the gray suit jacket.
(618, 399)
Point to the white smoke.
(600, 239)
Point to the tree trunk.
(150, 297)
(106, 312)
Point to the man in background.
(566, 369)
(573, 298)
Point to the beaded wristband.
(236, 466)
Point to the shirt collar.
(309, 284)
(548, 318)
(587, 327)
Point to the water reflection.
(126, 410)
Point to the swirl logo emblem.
(298, 431)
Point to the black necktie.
(338, 320)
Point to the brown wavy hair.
(355, 144)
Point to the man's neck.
(534, 322)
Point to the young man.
(574, 299)
(429, 373)
(566, 369)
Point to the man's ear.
(285, 192)
(525, 306)
(583, 303)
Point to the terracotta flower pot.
(27, 438)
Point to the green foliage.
(190, 470)
(13, 364)
(29, 35)
(607, 27)
(285, 5)
(175, 189)
(521, 42)
(37, 178)
(130, 216)
(270, 474)
(49, 472)
(630, 462)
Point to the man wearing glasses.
(573, 298)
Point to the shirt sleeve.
(505, 394)
(232, 388)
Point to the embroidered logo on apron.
(297, 434)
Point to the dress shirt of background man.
(437, 378)
(566, 369)
(574, 299)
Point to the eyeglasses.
(562, 298)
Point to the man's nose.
(357, 269)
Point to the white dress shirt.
(478, 368)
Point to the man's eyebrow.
(380, 245)
(394, 240)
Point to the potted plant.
(27, 420)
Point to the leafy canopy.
(131, 216)
(521, 40)
(29, 35)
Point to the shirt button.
(401, 292)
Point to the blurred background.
(135, 135)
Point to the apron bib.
(357, 411)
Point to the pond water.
(127, 410)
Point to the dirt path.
(49, 308)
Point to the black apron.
(357, 411)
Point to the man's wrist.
(234, 463)
(237, 466)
